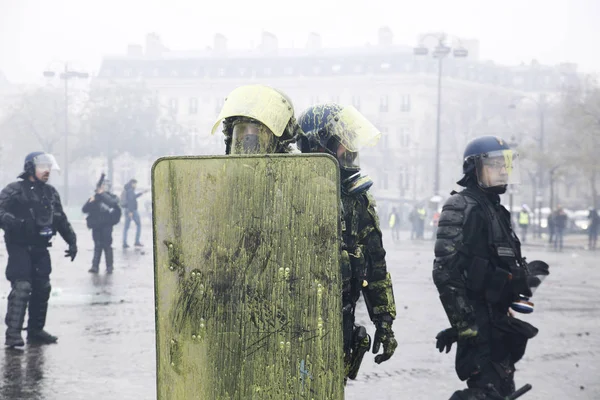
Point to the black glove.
(384, 335)
(538, 270)
(445, 339)
(72, 252)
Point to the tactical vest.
(502, 243)
(41, 202)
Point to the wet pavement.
(105, 325)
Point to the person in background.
(593, 228)
(130, 206)
(394, 223)
(560, 223)
(524, 222)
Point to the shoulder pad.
(370, 199)
(459, 202)
(14, 186)
(456, 202)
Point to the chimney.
(314, 41)
(220, 44)
(154, 47)
(135, 51)
(269, 43)
(386, 37)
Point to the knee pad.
(20, 290)
(42, 292)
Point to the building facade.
(391, 86)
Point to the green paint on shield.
(247, 277)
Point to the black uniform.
(30, 214)
(479, 272)
(103, 213)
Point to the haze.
(35, 33)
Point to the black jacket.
(131, 198)
(103, 211)
(25, 207)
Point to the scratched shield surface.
(247, 278)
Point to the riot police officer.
(480, 273)
(103, 213)
(341, 132)
(257, 119)
(30, 214)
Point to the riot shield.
(247, 277)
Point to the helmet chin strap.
(495, 189)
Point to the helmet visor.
(352, 129)
(258, 102)
(347, 159)
(498, 168)
(252, 138)
(46, 162)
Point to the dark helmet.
(480, 152)
(313, 122)
(29, 164)
(341, 132)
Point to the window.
(356, 102)
(173, 105)
(403, 180)
(288, 71)
(384, 180)
(267, 71)
(219, 105)
(221, 72)
(383, 103)
(316, 70)
(405, 103)
(194, 105)
(242, 71)
(385, 143)
(403, 137)
(336, 68)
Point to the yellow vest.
(523, 218)
(392, 220)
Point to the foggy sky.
(36, 33)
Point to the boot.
(15, 313)
(96, 260)
(108, 254)
(38, 307)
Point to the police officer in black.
(103, 213)
(30, 214)
(480, 273)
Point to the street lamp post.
(441, 51)
(513, 145)
(542, 106)
(66, 75)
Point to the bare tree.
(36, 116)
(581, 116)
(128, 119)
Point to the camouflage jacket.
(363, 257)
